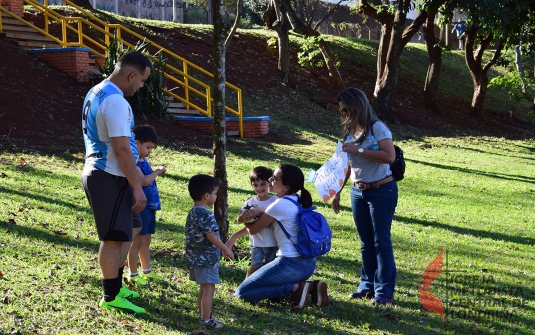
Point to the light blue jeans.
(276, 279)
(373, 212)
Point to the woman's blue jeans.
(373, 212)
(276, 279)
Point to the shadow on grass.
(526, 179)
(467, 231)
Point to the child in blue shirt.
(146, 140)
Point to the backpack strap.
(280, 224)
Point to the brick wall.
(71, 61)
(252, 126)
(15, 6)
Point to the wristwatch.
(360, 151)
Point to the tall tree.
(394, 37)
(220, 136)
(489, 21)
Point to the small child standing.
(203, 244)
(263, 244)
(146, 140)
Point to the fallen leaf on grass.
(1, 274)
(3, 175)
(59, 232)
(124, 322)
(21, 209)
(22, 162)
(12, 221)
(28, 294)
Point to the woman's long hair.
(293, 177)
(361, 115)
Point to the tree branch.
(331, 10)
(366, 8)
(413, 28)
(236, 23)
(497, 54)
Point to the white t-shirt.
(285, 212)
(367, 171)
(265, 237)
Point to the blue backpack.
(314, 236)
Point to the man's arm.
(125, 158)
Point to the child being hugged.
(263, 244)
(146, 140)
(203, 244)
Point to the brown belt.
(375, 184)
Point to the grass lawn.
(472, 196)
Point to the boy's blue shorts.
(261, 255)
(148, 221)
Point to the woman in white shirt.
(287, 274)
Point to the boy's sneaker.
(381, 301)
(212, 324)
(121, 304)
(362, 294)
(151, 277)
(126, 293)
(137, 280)
(300, 296)
(319, 293)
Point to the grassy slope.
(472, 195)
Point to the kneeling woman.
(287, 274)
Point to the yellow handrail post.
(208, 101)
(45, 2)
(240, 115)
(118, 34)
(80, 35)
(107, 37)
(0, 22)
(186, 83)
(64, 32)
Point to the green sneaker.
(121, 304)
(137, 280)
(151, 277)
(126, 293)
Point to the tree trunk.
(331, 64)
(284, 50)
(386, 84)
(220, 137)
(474, 61)
(434, 52)
(519, 67)
(394, 37)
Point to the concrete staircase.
(26, 37)
(179, 109)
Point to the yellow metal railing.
(75, 25)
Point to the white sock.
(207, 321)
(133, 274)
(149, 270)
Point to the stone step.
(38, 45)
(184, 112)
(6, 19)
(28, 37)
(12, 28)
(176, 104)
